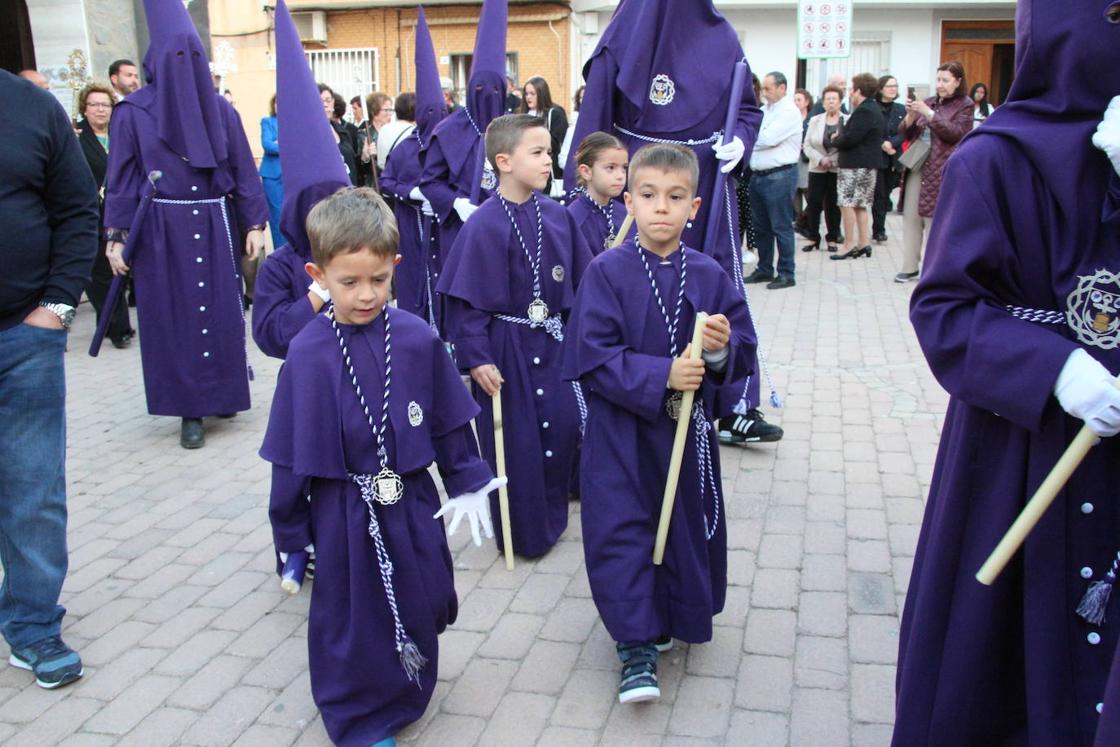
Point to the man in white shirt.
(773, 183)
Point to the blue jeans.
(32, 482)
(772, 213)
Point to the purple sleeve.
(435, 181)
(460, 466)
(978, 351)
(634, 381)
(750, 118)
(289, 511)
(595, 113)
(581, 251)
(390, 184)
(277, 318)
(468, 329)
(248, 193)
(125, 172)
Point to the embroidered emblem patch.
(1093, 310)
(489, 178)
(662, 90)
(673, 405)
(558, 274)
(415, 415)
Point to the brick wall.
(540, 50)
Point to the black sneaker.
(880, 236)
(781, 282)
(905, 277)
(758, 276)
(749, 428)
(663, 644)
(53, 662)
(639, 673)
(191, 435)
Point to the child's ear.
(629, 202)
(502, 163)
(584, 172)
(396, 260)
(316, 274)
(695, 207)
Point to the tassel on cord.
(412, 660)
(1095, 601)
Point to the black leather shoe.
(191, 435)
(758, 276)
(779, 283)
(881, 236)
(228, 415)
(120, 343)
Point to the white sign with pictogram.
(824, 29)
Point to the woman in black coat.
(95, 105)
(860, 143)
(537, 100)
(893, 113)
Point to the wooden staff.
(621, 235)
(1037, 505)
(503, 492)
(683, 421)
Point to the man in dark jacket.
(48, 221)
(893, 114)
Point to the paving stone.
(823, 613)
(819, 718)
(519, 720)
(480, 688)
(571, 621)
(758, 729)
(770, 632)
(130, 707)
(775, 588)
(873, 693)
(512, 637)
(871, 593)
(208, 684)
(703, 707)
(821, 662)
(196, 652)
(229, 717)
(587, 699)
(873, 639)
(161, 728)
(56, 723)
(546, 667)
(765, 683)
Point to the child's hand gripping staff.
(490, 381)
(687, 373)
(1087, 391)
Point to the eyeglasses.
(891, 85)
(389, 110)
(99, 106)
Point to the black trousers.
(886, 181)
(822, 197)
(98, 288)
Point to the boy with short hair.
(628, 344)
(367, 400)
(508, 284)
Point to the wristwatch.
(64, 312)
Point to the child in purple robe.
(507, 286)
(601, 161)
(367, 399)
(311, 169)
(629, 344)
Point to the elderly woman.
(823, 168)
(95, 105)
(940, 122)
(860, 142)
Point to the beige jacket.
(814, 145)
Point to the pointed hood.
(656, 46)
(486, 90)
(430, 105)
(186, 108)
(1066, 57)
(311, 166)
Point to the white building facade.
(905, 39)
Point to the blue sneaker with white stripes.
(639, 672)
(53, 662)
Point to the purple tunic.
(453, 167)
(487, 274)
(1022, 221)
(186, 268)
(418, 272)
(317, 433)
(592, 221)
(280, 304)
(639, 50)
(618, 345)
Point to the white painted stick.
(503, 492)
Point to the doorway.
(987, 51)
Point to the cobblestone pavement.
(187, 638)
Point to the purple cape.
(280, 304)
(1013, 663)
(592, 221)
(317, 433)
(487, 274)
(618, 346)
(639, 49)
(187, 266)
(418, 272)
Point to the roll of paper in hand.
(291, 577)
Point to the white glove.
(1087, 391)
(464, 208)
(476, 507)
(319, 291)
(426, 209)
(417, 195)
(730, 153)
(1107, 136)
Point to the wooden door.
(976, 58)
(974, 45)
